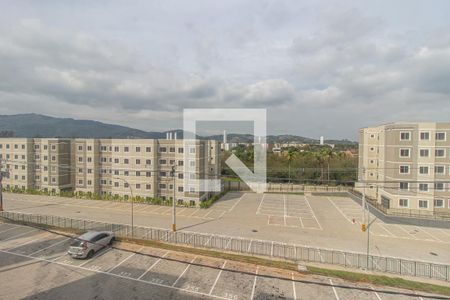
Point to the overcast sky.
(319, 67)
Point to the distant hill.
(35, 125)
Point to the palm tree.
(328, 154)
(290, 155)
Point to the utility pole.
(368, 234)
(1, 186)
(174, 222)
(364, 199)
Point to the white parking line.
(293, 287)
(334, 289)
(96, 256)
(301, 222)
(339, 210)
(385, 229)
(60, 242)
(111, 269)
(413, 237)
(254, 283)
(154, 264)
(28, 242)
(237, 202)
(443, 231)
(19, 235)
(217, 278)
(312, 212)
(376, 294)
(117, 276)
(10, 229)
(431, 235)
(260, 203)
(187, 267)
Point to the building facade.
(406, 166)
(147, 168)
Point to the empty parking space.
(353, 213)
(288, 210)
(201, 276)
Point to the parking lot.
(35, 263)
(352, 212)
(288, 210)
(312, 220)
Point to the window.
(116, 149)
(89, 159)
(148, 149)
(180, 163)
(405, 136)
(162, 173)
(162, 149)
(148, 174)
(80, 159)
(138, 186)
(89, 148)
(162, 161)
(180, 150)
(138, 173)
(404, 186)
(180, 189)
(404, 152)
(424, 152)
(423, 170)
(172, 149)
(138, 149)
(126, 185)
(439, 153)
(126, 161)
(423, 187)
(403, 203)
(116, 160)
(192, 150)
(404, 169)
(423, 203)
(439, 186)
(148, 186)
(80, 181)
(126, 149)
(138, 161)
(192, 163)
(439, 169)
(162, 186)
(116, 184)
(148, 162)
(80, 148)
(180, 175)
(126, 173)
(440, 136)
(89, 182)
(439, 203)
(372, 148)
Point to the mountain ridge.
(34, 125)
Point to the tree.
(328, 154)
(290, 155)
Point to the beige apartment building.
(406, 166)
(114, 167)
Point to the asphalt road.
(34, 265)
(325, 222)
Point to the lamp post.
(174, 221)
(132, 204)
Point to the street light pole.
(132, 205)
(174, 223)
(368, 234)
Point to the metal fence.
(291, 252)
(285, 187)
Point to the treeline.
(315, 165)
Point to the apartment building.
(115, 167)
(406, 166)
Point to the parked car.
(87, 244)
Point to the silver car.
(87, 244)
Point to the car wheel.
(90, 254)
(111, 241)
